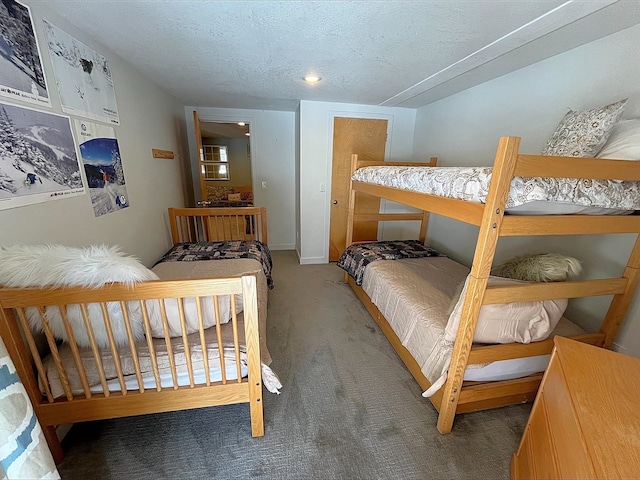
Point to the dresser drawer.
(567, 438)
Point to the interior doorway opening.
(225, 164)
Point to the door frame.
(195, 172)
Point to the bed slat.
(95, 349)
(74, 350)
(132, 345)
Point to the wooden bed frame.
(457, 396)
(186, 225)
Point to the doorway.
(224, 164)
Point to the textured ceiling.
(253, 54)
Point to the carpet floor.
(349, 409)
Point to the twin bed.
(409, 298)
(195, 336)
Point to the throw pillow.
(541, 267)
(624, 141)
(92, 267)
(583, 134)
(522, 322)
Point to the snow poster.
(83, 77)
(21, 72)
(38, 160)
(102, 166)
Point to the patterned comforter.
(356, 257)
(228, 250)
(472, 184)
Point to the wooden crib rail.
(18, 306)
(218, 224)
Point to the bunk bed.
(188, 336)
(488, 213)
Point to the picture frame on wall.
(83, 77)
(22, 75)
(38, 158)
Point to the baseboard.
(312, 260)
(282, 246)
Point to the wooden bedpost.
(12, 337)
(503, 170)
(252, 341)
(620, 303)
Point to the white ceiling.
(253, 54)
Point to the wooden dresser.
(585, 421)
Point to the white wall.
(316, 147)
(272, 161)
(464, 130)
(149, 118)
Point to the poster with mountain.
(83, 77)
(102, 166)
(21, 72)
(38, 160)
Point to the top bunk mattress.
(584, 196)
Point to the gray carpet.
(349, 409)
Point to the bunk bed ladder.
(503, 171)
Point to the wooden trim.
(576, 167)
(548, 291)
(117, 405)
(516, 225)
(467, 212)
(493, 353)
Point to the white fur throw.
(93, 267)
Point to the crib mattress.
(224, 268)
(127, 365)
(584, 196)
(414, 296)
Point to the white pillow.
(190, 314)
(583, 134)
(624, 142)
(522, 322)
(93, 267)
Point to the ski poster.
(83, 77)
(102, 166)
(38, 160)
(21, 72)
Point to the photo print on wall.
(38, 160)
(83, 77)
(21, 73)
(102, 167)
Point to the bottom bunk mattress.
(414, 295)
(163, 363)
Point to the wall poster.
(38, 160)
(102, 167)
(21, 72)
(83, 77)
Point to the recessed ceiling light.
(248, 134)
(242, 124)
(311, 79)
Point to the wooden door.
(198, 134)
(367, 138)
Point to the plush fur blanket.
(93, 267)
